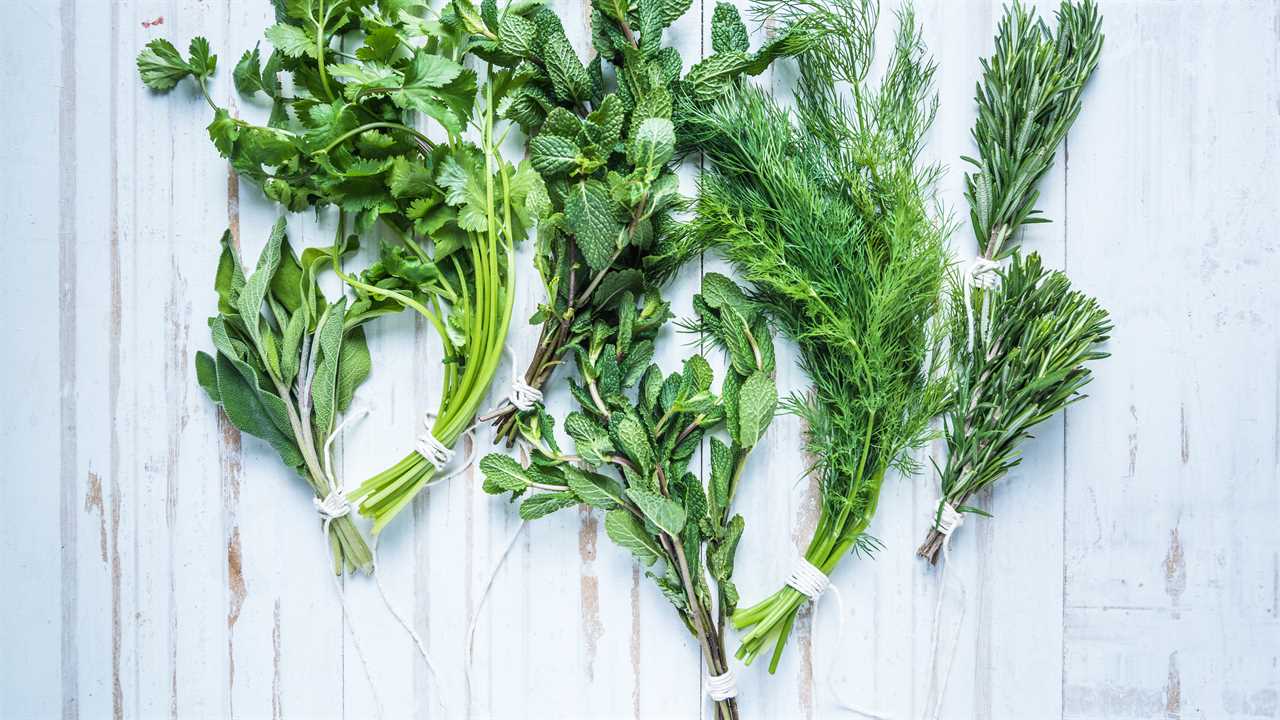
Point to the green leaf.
(246, 409)
(438, 88)
(256, 287)
(544, 504)
(592, 442)
(207, 375)
(756, 402)
(633, 440)
(354, 366)
(328, 347)
(625, 530)
(202, 63)
(721, 477)
(517, 35)
(161, 66)
(589, 212)
(289, 347)
(503, 474)
(569, 78)
(248, 73)
(727, 31)
(291, 40)
(229, 279)
(663, 512)
(652, 144)
(552, 154)
(410, 178)
(720, 559)
(594, 489)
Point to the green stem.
(374, 126)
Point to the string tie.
(808, 579)
(332, 506)
(523, 395)
(984, 274)
(429, 447)
(948, 520)
(722, 687)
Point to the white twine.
(438, 454)
(413, 635)
(334, 505)
(948, 520)
(808, 579)
(984, 274)
(523, 395)
(484, 595)
(722, 687)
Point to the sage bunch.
(1018, 347)
(828, 213)
(635, 431)
(286, 364)
(606, 152)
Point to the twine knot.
(523, 395)
(332, 506)
(722, 687)
(436, 452)
(983, 273)
(808, 579)
(948, 519)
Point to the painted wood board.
(159, 564)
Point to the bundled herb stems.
(286, 364)
(343, 135)
(826, 211)
(1020, 336)
(635, 432)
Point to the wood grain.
(159, 565)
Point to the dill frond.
(826, 211)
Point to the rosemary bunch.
(606, 151)
(286, 364)
(343, 135)
(1018, 346)
(635, 431)
(827, 213)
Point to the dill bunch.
(1017, 346)
(827, 211)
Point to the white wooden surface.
(155, 564)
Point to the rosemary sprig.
(826, 211)
(635, 432)
(1017, 352)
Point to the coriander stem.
(374, 126)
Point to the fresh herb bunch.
(344, 137)
(827, 212)
(1029, 95)
(1017, 348)
(635, 432)
(606, 154)
(287, 362)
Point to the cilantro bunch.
(606, 151)
(635, 432)
(343, 133)
(287, 362)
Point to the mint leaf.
(757, 400)
(625, 530)
(663, 512)
(552, 155)
(589, 213)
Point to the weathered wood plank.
(1170, 569)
